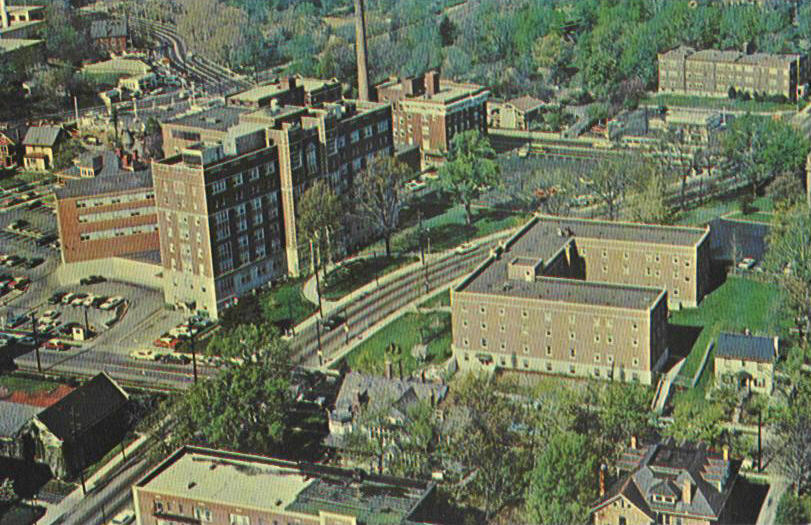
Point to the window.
(354, 136)
(238, 519)
(382, 126)
(368, 131)
(571, 353)
(548, 350)
(218, 186)
(295, 159)
(238, 180)
(482, 310)
(203, 514)
(526, 349)
(484, 342)
(484, 326)
(312, 159)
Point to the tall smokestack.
(360, 50)
(3, 14)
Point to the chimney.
(602, 480)
(3, 14)
(432, 82)
(726, 452)
(289, 82)
(388, 369)
(360, 51)
(776, 346)
(634, 443)
(687, 491)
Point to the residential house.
(746, 361)
(40, 145)
(668, 483)
(81, 427)
(110, 35)
(11, 147)
(14, 419)
(518, 113)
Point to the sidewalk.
(667, 382)
(55, 512)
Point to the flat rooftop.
(448, 91)
(216, 119)
(273, 485)
(120, 182)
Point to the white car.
(465, 248)
(68, 298)
(747, 263)
(145, 355)
(112, 302)
(50, 314)
(123, 518)
(88, 301)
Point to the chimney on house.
(634, 443)
(388, 369)
(602, 479)
(432, 82)
(360, 51)
(3, 14)
(687, 491)
(726, 452)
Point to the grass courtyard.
(717, 103)
(715, 208)
(13, 383)
(739, 303)
(433, 328)
(286, 301)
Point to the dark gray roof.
(123, 181)
(665, 468)
(746, 347)
(219, 118)
(737, 239)
(13, 416)
(109, 28)
(84, 408)
(42, 136)
(617, 231)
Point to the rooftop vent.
(192, 484)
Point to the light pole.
(193, 356)
(36, 343)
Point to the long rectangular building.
(579, 297)
(711, 73)
(198, 485)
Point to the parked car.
(34, 262)
(57, 297)
(27, 341)
(167, 342)
(14, 321)
(55, 344)
(123, 518)
(98, 301)
(466, 247)
(93, 279)
(174, 359)
(88, 301)
(112, 302)
(334, 322)
(50, 314)
(145, 355)
(68, 297)
(747, 263)
(78, 299)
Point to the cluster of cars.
(87, 300)
(183, 332)
(9, 283)
(11, 261)
(10, 340)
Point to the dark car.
(93, 279)
(16, 320)
(174, 359)
(57, 297)
(34, 262)
(334, 322)
(98, 301)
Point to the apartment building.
(109, 214)
(228, 198)
(711, 73)
(670, 483)
(199, 485)
(429, 111)
(579, 297)
(293, 91)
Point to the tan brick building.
(198, 485)
(429, 111)
(579, 297)
(293, 91)
(668, 483)
(711, 73)
(240, 173)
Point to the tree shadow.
(680, 340)
(28, 477)
(747, 498)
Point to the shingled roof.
(84, 408)
(42, 136)
(746, 347)
(14, 416)
(658, 476)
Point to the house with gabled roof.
(746, 361)
(81, 427)
(40, 144)
(669, 483)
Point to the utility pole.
(317, 281)
(760, 440)
(73, 432)
(320, 349)
(86, 323)
(36, 343)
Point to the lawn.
(286, 301)
(23, 384)
(115, 451)
(438, 301)
(405, 332)
(711, 210)
(736, 305)
(717, 103)
(352, 275)
(763, 217)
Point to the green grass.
(24, 384)
(115, 451)
(763, 217)
(667, 99)
(404, 331)
(286, 301)
(736, 305)
(711, 210)
(348, 277)
(438, 301)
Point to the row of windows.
(547, 316)
(118, 214)
(107, 201)
(119, 232)
(549, 367)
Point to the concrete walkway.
(667, 382)
(54, 513)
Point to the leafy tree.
(64, 34)
(649, 204)
(447, 31)
(760, 149)
(470, 168)
(793, 430)
(790, 510)
(563, 482)
(320, 215)
(7, 493)
(379, 195)
(789, 254)
(696, 421)
(489, 443)
(549, 190)
(623, 411)
(246, 406)
(612, 179)
(247, 342)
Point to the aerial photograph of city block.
(405, 262)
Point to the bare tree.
(379, 196)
